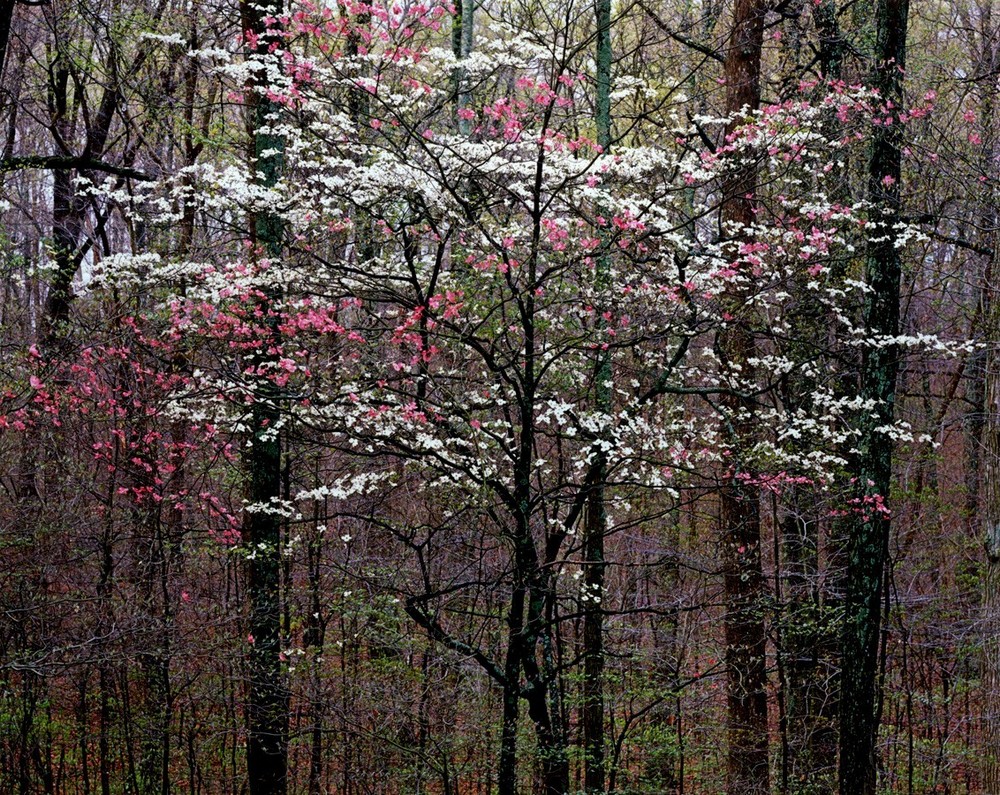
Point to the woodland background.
(499, 397)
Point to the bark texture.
(596, 524)
(868, 544)
(267, 702)
(746, 676)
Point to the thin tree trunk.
(990, 762)
(104, 678)
(314, 638)
(462, 43)
(507, 767)
(868, 544)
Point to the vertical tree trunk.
(831, 42)
(990, 763)
(82, 728)
(313, 638)
(66, 221)
(154, 742)
(104, 678)
(507, 767)
(746, 676)
(69, 209)
(6, 18)
(532, 580)
(595, 526)
(267, 705)
(989, 519)
(982, 426)
(462, 41)
(869, 531)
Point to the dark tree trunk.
(69, 209)
(540, 683)
(595, 527)
(746, 676)
(747, 730)
(507, 767)
(157, 703)
(869, 531)
(104, 678)
(982, 429)
(67, 221)
(831, 42)
(314, 638)
(267, 704)
(6, 18)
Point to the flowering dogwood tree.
(431, 313)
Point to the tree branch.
(704, 49)
(59, 162)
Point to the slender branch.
(438, 633)
(59, 162)
(704, 49)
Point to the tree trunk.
(869, 530)
(990, 763)
(462, 40)
(746, 676)
(595, 527)
(982, 429)
(314, 638)
(267, 705)
(507, 767)
(831, 42)
(989, 518)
